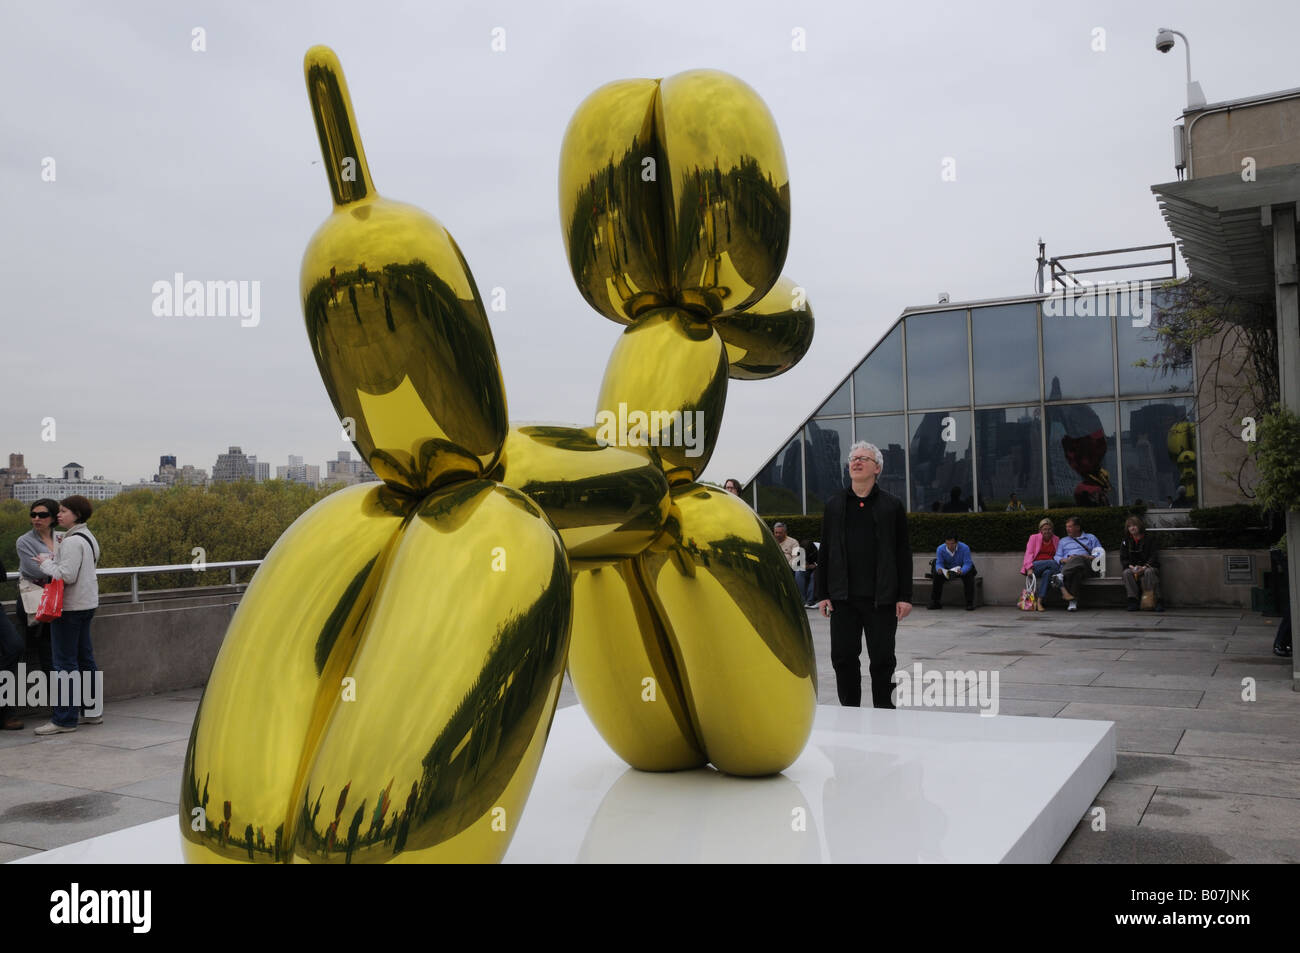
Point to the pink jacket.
(1031, 550)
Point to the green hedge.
(1241, 525)
(1238, 526)
(986, 532)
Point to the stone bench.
(953, 593)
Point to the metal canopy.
(1217, 223)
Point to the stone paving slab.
(158, 707)
(1150, 740)
(1100, 695)
(165, 787)
(68, 760)
(1225, 775)
(1193, 811)
(1123, 802)
(1248, 746)
(1150, 845)
(42, 815)
(1264, 669)
(1203, 719)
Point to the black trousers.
(849, 619)
(967, 583)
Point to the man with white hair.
(864, 578)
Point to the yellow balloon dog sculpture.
(674, 200)
(397, 658)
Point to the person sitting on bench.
(952, 561)
(1077, 554)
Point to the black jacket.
(893, 553)
(1138, 554)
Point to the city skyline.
(929, 148)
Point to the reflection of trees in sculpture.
(476, 753)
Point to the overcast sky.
(170, 160)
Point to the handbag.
(30, 593)
(51, 606)
(1148, 599)
(1029, 596)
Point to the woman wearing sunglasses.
(31, 546)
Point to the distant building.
(234, 465)
(73, 483)
(346, 470)
(191, 476)
(299, 472)
(14, 473)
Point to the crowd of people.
(59, 547)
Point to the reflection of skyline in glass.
(1016, 448)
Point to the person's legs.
(86, 659)
(936, 590)
(1043, 570)
(65, 633)
(968, 585)
(1131, 582)
(1073, 571)
(882, 625)
(846, 650)
(12, 647)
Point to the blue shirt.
(959, 558)
(1084, 545)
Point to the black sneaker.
(1132, 605)
(934, 605)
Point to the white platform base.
(872, 786)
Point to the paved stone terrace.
(1203, 776)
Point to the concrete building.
(14, 473)
(1233, 212)
(299, 472)
(234, 465)
(348, 471)
(73, 483)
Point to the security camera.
(1164, 40)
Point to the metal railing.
(135, 572)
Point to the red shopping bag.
(51, 606)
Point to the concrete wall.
(159, 644)
(1189, 577)
(1270, 133)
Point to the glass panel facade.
(780, 484)
(1077, 357)
(1009, 446)
(838, 403)
(1159, 451)
(1061, 429)
(889, 435)
(1005, 342)
(828, 443)
(938, 372)
(1145, 344)
(878, 381)
(1081, 455)
(942, 475)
